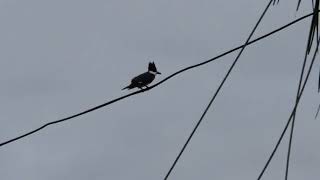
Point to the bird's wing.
(140, 79)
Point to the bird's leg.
(146, 86)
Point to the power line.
(162, 81)
(217, 91)
(294, 115)
(291, 115)
(313, 29)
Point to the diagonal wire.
(294, 115)
(294, 118)
(162, 81)
(314, 28)
(291, 115)
(217, 91)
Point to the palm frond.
(317, 112)
(275, 1)
(319, 83)
(314, 27)
(299, 1)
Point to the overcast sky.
(60, 57)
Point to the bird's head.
(152, 68)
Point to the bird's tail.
(127, 87)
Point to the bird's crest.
(152, 67)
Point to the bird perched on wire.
(144, 79)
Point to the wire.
(217, 91)
(291, 115)
(294, 115)
(150, 87)
(313, 29)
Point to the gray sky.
(61, 57)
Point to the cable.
(150, 87)
(313, 28)
(294, 116)
(291, 115)
(217, 91)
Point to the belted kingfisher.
(144, 79)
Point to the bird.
(144, 79)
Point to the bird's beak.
(158, 72)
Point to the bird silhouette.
(144, 79)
